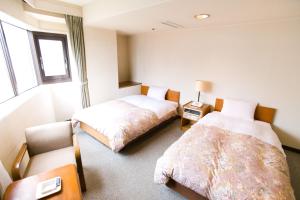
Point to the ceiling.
(77, 2)
(136, 16)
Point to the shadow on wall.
(288, 137)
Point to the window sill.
(125, 84)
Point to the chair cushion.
(50, 160)
(48, 137)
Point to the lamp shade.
(201, 86)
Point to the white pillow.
(157, 92)
(239, 109)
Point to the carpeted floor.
(129, 174)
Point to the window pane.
(6, 90)
(53, 57)
(21, 58)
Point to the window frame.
(57, 37)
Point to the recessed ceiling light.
(201, 16)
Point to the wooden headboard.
(262, 113)
(171, 94)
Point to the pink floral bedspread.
(219, 164)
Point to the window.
(53, 59)
(21, 58)
(28, 59)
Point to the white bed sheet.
(162, 108)
(261, 130)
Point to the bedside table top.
(189, 106)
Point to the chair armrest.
(15, 171)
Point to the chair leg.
(81, 177)
(79, 164)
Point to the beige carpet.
(129, 174)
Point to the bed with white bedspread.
(116, 123)
(223, 157)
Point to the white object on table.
(48, 187)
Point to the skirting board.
(291, 149)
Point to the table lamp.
(200, 86)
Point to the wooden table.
(25, 188)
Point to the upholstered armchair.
(49, 146)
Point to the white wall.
(102, 65)
(14, 8)
(257, 62)
(29, 109)
(66, 99)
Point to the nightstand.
(191, 114)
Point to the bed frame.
(171, 95)
(262, 113)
